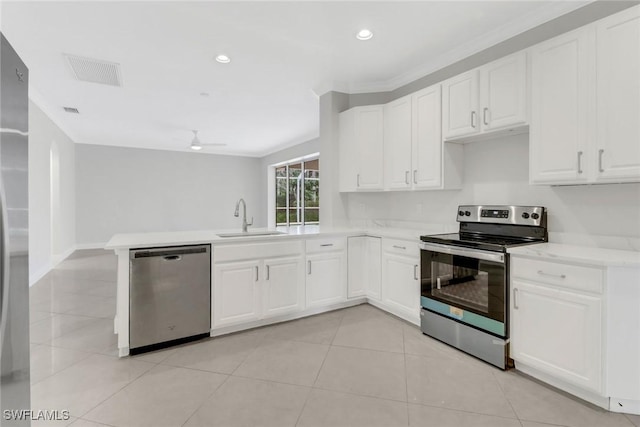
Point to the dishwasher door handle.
(172, 257)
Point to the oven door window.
(467, 283)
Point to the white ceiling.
(283, 54)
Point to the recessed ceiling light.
(223, 59)
(196, 147)
(364, 34)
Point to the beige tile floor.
(352, 367)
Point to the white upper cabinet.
(503, 90)
(487, 99)
(361, 148)
(397, 143)
(414, 156)
(585, 104)
(426, 145)
(460, 105)
(618, 97)
(559, 109)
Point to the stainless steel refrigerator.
(14, 226)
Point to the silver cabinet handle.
(257, 273)
(358, 180)
(515, 298)
(415, 272)
(473, 119)
(308, 267)
(400, 247)
(579, 161)
(600, 151)
(559, 276)
(327, 244)
(267, 271)
(406, 177)
(484, 115)
(415, 175)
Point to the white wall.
(49, 245)
(128, 190)
(333, 209)
(496, 172)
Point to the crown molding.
(511, 29)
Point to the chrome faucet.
(245, 224)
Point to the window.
(298, 192)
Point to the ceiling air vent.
(94, 70)
(71, 110)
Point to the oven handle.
(469, 253)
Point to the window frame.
(301, 208)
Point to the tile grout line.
(326, 354)
(493, 374)
(406, 374)
(204, 401)
(117, 391)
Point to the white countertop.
(176, 238)
(579, 254)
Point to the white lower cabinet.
(401, 278)
(326, 271)
(283, 286)
(364, 273)
(558, 332)
(249, 286)
(236, 293)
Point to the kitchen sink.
(252, 234)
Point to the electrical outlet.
(419, 208)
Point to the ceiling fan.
(197, 145)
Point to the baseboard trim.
(58, 258)
(33, 278)
(54, 260)
(83, 246)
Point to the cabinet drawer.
(326, 244)
(239, 252)
(401, 247)
(588, 279)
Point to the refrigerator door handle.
(4, 266)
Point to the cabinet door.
(618, 85)
(356, 266)
(283, 286)
(326, 279)
(236, 294)
(348, 160)
(557, 332)
(373, 252)
(397, 143)
(559, 109)
(460, 105)
(503, 88)
(369, 147)
(401, 285)
(427, 138)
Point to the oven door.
(465, 284)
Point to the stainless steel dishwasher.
(169, 296)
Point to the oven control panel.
(515, 215)
(494, 213)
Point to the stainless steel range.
(465, 278)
